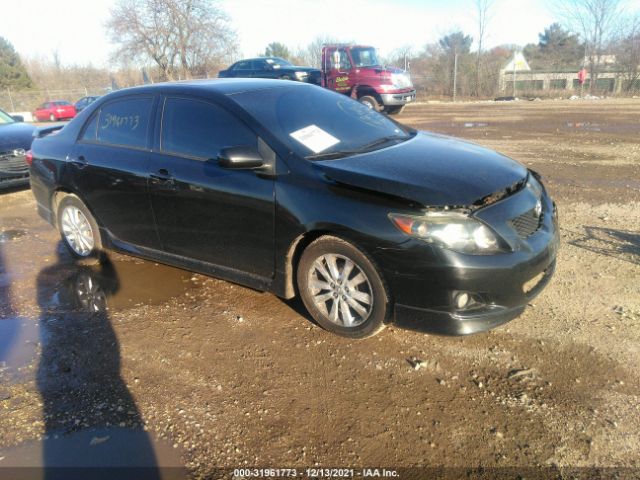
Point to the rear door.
(203, 211)
(109, 167)
(242, 69)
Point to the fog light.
(461, 300)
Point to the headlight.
(454, 230)
(301, 75)
(401, 80)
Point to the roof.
(221, 86)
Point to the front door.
(203, 211)
(109, 165)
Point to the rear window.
(61, 104)
(125, 122)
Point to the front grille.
(10, 163)
(526, 224)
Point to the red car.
(54, 111)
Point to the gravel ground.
(182, 369)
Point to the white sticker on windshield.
(314, 138)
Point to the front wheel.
(78, 228)
(342, 289)
(370, 102)
(52, 118)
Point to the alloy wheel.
(77, 231)
(341, 290)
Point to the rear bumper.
(398, 98)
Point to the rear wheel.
(394, 110)
(342, 289)
(370, 102)
(78, 228)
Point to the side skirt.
(224, 273)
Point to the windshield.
(313, 121)
(5, 118)
(277, 62)
(364, 57)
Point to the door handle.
(79, 161)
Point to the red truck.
(355, 70)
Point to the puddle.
(19, 339)
(8, 235)
(100, 453)
(113, 285)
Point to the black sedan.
(271, 67)
(293, 189)
(15, 140)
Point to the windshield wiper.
(367, 147)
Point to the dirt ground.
(190, 371)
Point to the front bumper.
(425, 279)
(391, 99)
(465, 323)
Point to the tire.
(395, 110)
(370, 102)
(52, 118)
(326, 295)
(78, 229)
(285, 77)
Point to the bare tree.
(597, 22)
(627, 49)
(483, 17)
(312, 54)
(182, 37)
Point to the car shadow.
(93, 427)
(620, 244)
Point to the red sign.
(582, 76)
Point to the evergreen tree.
(12, 72)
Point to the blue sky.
(76, 27)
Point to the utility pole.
(13, 108)
(455, 74)
(514, 75)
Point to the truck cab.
(356, 71)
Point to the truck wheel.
(370, 102)
(395, 110)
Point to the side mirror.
(17, 118)
(240, 157)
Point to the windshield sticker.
(314, 138)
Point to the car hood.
(16, 135)
(300, 69)
(429, 169)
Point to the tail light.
(28, 157)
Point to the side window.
(242, 66)
(345, 63)
(125, 122)
(258, 65)
(90, 131)
(193, 128)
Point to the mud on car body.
(293, 189)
